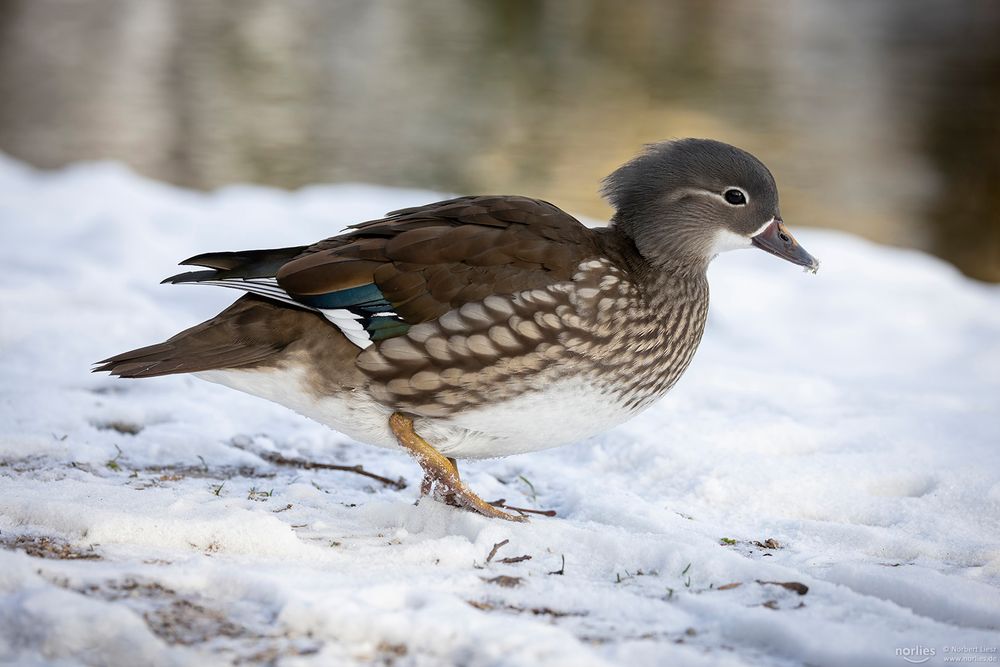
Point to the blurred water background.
(878, 117)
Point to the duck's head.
(683, 202)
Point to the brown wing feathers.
(428, 260)
(423, 261)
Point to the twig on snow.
(515, 559)
(279, 460)
(502, 504)
(495, 549)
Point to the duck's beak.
(776, 239)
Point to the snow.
(851, 416)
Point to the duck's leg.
(441, 470)
(447, 497)
(428, 481)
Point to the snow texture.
(850, 417)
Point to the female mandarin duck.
(485, 326)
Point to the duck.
(484, 326)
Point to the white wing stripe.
(349, 325)
(347, 322)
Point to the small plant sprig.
(112, 464)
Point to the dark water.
(881, 118)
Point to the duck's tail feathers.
(247, 333)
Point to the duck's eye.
(735, 197)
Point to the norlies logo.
(916, 654)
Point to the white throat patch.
(727, 240)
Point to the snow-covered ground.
(836, 434)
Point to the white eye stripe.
(711, 193)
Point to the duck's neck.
(670, 272)
(675, 248)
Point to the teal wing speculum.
(362, 313)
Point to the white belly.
(566, 411)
